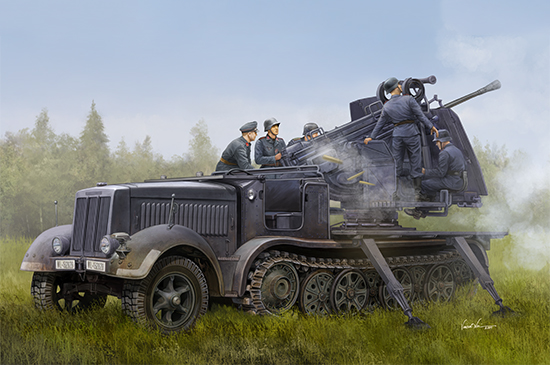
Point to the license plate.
(65, 264)
(95, 265)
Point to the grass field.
(226, 336)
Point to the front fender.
(39, 255)
(147, 245)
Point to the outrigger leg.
(395, 288)
(484, 278)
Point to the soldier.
(308, 127)
(447, 174)
(403, 111)
(237, 153)
(267, 151)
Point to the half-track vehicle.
(263, 239)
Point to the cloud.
(517, 115)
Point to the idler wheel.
(350, 292)
(279, 290)
(440, 284)
(315, 292)
(405, 279)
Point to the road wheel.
(419, 275)
(315, 292)
(405, 279)
(440, 284)
(171, 297)
(55, 291)
(463, 273)
(350, 292)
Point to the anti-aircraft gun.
(263, 238)
(362, 177)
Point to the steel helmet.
(308, 127)
(390, 84)
(270, 123)
(444, 136)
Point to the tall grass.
(226, 336)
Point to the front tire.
(51, 291)
(172, 297)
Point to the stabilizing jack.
(479, 271)
(395, 288)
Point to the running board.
(483, 275)
(395, 289)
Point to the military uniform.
(265, 150)
(447, 174)
(237, 153)
(403, 111)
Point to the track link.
(253, 297)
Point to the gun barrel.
(429, 80)
(495, 85)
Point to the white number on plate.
(65, 264)
(95, 265)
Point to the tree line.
(38, 167)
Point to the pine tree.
(94, 156)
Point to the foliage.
(38, 167)
(228, 336)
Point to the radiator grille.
(91, 220)
(205, 219)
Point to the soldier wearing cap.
(267, 151)
(447, 174)
(237, 153)
(307, 134)
(403, 111)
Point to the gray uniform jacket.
(447, 173)
(265, 150)
(236, 155)
(399, 109)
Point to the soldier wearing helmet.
(267, 152)
(448, 173)
(311, 130)
(403, 112)
(237, 153)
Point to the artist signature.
(465, 326)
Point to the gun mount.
(362, 177)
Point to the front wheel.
(57, 291)
(172, 297)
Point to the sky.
(155, 68)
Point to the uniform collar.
(245, 141)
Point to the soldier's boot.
(415, 213)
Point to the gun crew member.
(267, 151)
(237, 153)
(447, 174)
(306, 135)
(403, 111)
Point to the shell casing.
(356, 175)
(332, 159)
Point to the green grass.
(227, 336)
